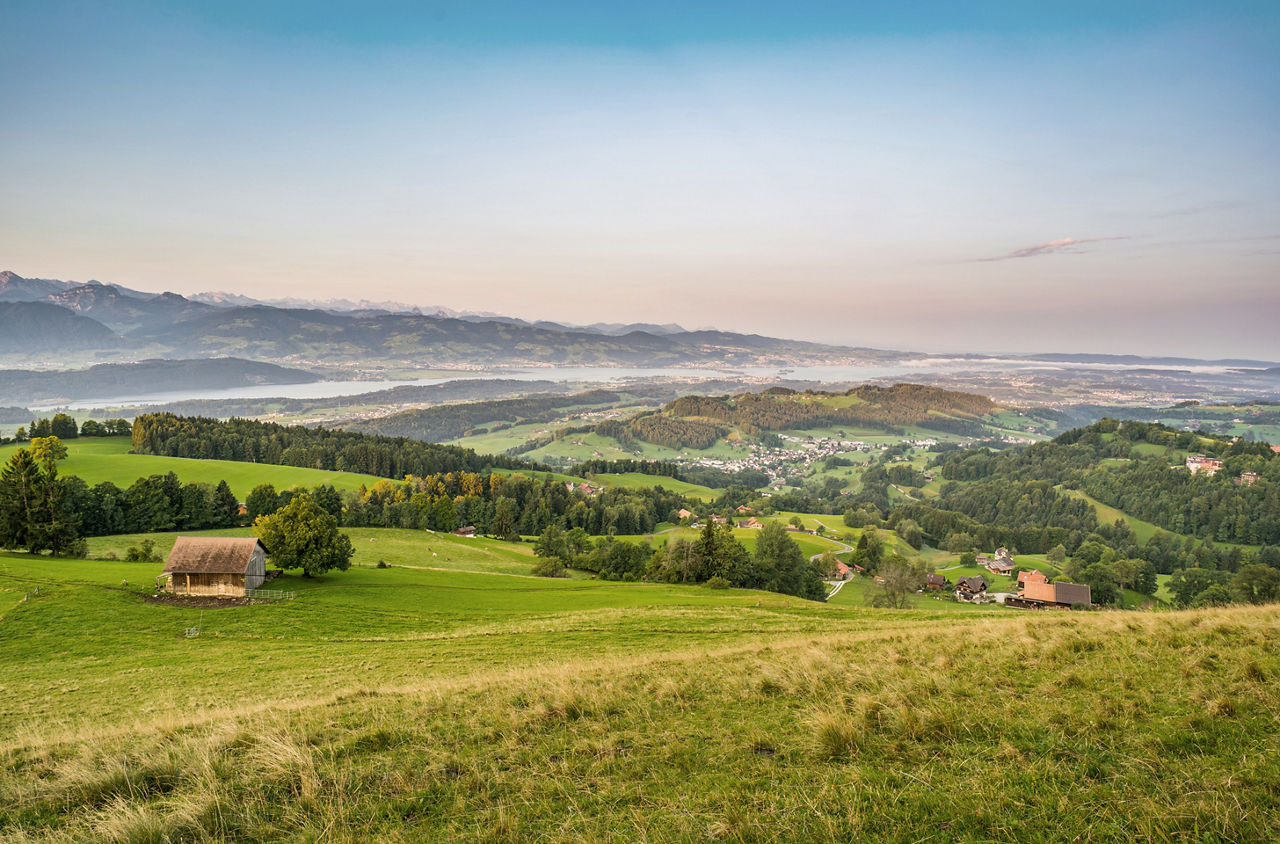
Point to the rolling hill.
(411, 704)
(28, 328)
(148, 376)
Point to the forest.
(1104, 461)
(318, 448)
(780, 409)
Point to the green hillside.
(396, 547)
(633, 480)
(108, 459)
(420, 705)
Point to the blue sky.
(992, 176)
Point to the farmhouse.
(468, 531)
(972, 589)
(935, 581)
(1041, 595)
(1247, 479)
(686, 514)
(752, 522)
(219, 566)
(1025, 577)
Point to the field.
(808, 544)
(1142, 531)
(393, 546)
(108, 459)
(633, 480)
(420, 705)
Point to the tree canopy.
(301, 535)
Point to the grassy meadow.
(635, 480)
(98, 459)
(452, 697)
(418, 704)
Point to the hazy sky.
(945, 176)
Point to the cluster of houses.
(1199, 463)
(778, 463)
(1034, 589)
(1000, 563)
(584, 488)
(1037, 593)
(1211, 466)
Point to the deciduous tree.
(301, 535)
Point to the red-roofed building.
(1041, 595)
(1200, 463)
(1025, 577)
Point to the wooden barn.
(218, 566)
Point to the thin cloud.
(1064, 244)
(1202, 208)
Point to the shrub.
(718, 582)
(549, 567)
(144, 552)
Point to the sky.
(937, 176)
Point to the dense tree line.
(660, 468)
(63, 427)
(506, 505)
(151, 503)
(318, 448)
(715, 557)
(41, 510)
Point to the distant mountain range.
(366, 307)
(47, 322)
(45, 315)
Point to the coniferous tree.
(226, 508)
(20, 500)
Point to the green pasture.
(108, 459)
(414, 704)
(636, 480)
(809, 545)
(394, 546)
(1142, 531)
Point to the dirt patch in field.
(204, 602)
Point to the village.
(779, 464)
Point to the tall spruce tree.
(20, 500)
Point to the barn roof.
(1072, 593)
(211, 555)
